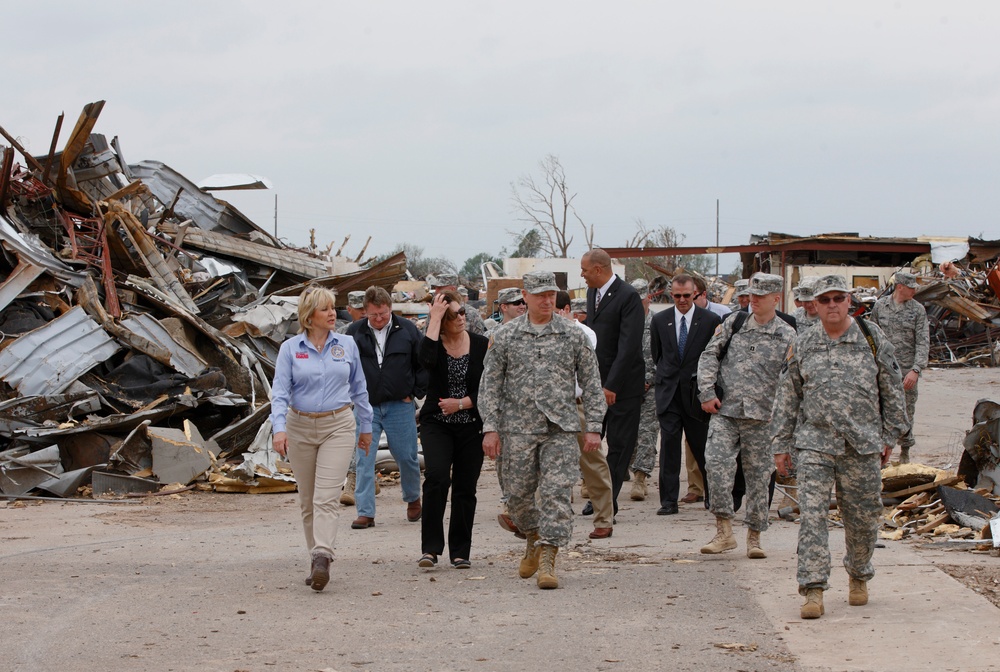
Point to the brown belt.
(321, 414)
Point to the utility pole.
(716, 238)
(276, 221)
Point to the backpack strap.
(740, 320)
(863, 325)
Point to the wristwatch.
(460, 404)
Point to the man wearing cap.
(744, 360)
(511, 305)
(806, 315)
(904, 322)
(355, 308)
(388, 347)
(742, 295)
(840, 404)
(644, 459)
(473, 319)
(614, 312)
(528, 397)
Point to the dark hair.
(682, 279)
(377, 296)
(562, 299)
(451, 296)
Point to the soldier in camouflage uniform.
(904, 322)
(647, 445)
(748, 374)
(806, 315)
(529, 396)
(841, 400)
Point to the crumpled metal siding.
(47, 360)
(182, 359)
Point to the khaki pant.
(320, 450)
(696, 480)
(598, 477)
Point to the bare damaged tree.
(665, 236)
(548, 207)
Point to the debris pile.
(964, 316)
(139, 314)
(936, 503)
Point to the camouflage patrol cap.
(537, 282)
(797, 293)
(463, 291)
(806, 288)
(642, 287)
(906, 279)
(443, 280)
(762, 284)
(742, 287)
(356, 299)
(825, 284)
(509, 295)
(578, 305)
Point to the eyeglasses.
(453, 314)
(683, 296)
(824, 299)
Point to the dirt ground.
(205, 581)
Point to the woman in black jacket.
(451, 431)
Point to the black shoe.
(667, 509)
(588, 510)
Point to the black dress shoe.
(588, 510)
(667, 509)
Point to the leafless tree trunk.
(548, 207)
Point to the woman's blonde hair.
(312, 299)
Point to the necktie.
(682, 341)
(597, 300)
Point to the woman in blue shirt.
(317, 379)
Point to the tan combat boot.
(639, 487)
(904, 455)
(813, 607)
(858, 597)
(547, 567)
(789, 492)
(529, 563)
(723, 540)
(754, 551)
(347, 496)
(584, 492)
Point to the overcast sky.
(408, 121)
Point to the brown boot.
(529, 563)
(584, 492)
(347, 496)
(904, 454)
(547, 567)
(638, 487)
(723, 540)
(320, 571)
(858, 597)
(813, 606)
(754, 551)
(789, 492)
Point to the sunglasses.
(453, 314)
(824, 299)
(519, 302)
(683, 296)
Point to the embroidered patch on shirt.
(301, 355)
(337, 352)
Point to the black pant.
(673, 423)
(453, 457)
(621, 427)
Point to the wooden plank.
(951, 480)
(940, 520)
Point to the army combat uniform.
(838, 405)
(905, 325)
(528, 396)
(748, 375)
(647, 445)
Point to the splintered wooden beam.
(933, 523)
(951, 480)
(52, 149)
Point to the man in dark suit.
(678, 335)
(614, 312)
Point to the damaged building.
(139, 321)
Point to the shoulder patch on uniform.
(489, 346)
(718, 329)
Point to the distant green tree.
(472, 268)
(527, 244)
